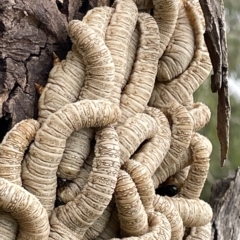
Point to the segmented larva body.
(162, 205)
(183, 86)
(143, 181)
(200, 233)
(165, 13)
(26, 209)
(137, 92)
(133, 132)
(182, 128)
(180, 49)
(132, 215)
(98, 19)
(78, 215)
(194, 212)
(201, 150)
(159, 229)
(64, 83)
(152, 153)
(41, 163)
(70, 190)
(12, 149)
(117, 39)
(200, 114)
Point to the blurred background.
(204, 94)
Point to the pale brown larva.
(137, 92)
(78, 215)
(41, 163)
(180, 49)
(200, 233)
(183, 86)
(26, 209)
(117, 39)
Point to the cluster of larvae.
(115, 152)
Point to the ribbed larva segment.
(200, 114)
(201, 149)
(133, 132)
(98, 19)
(76, 151)
(12, 149)
(166, 14)
(137, 92)
(181, 87)
(41, 163)
(152, 153)
(26, 209)
(132, 215)
(194, 212)
(64, 83)
(8, 226)
(70, 191)
(117, 39)
(162, 205)
(159, 229)
(143, 181)
(97, 58)
(78, 215)
(180, 50)
(200, 233)
(182, 128)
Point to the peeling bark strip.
(215, 37)
(78, 215)
(26, 209)
(41, 163)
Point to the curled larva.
(98, 19)
(137, 92)
(143, 181)
(165, 13)
(152, 152)
(133, 132)
(200, 233)
(182, 128)
(159, 229)
(180, 49)
(41, 163)
(26, 209)
(201, 150)
(78, 215)
(64, 83)
(132, 215)
(183, 86)
(194, 212)
(200, 114)
(162, 205)
(117, 39)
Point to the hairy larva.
(201, 150)
(32, 218)
(162, 205)
(181, 87)
(117, 39)
(63, 86)
(182, 128)
(132, 215)
(194, 212)
(180, 49)
(159, 229)
(133, 132)
(137, 92)
(200, 233)
(152, 152)
(41, 163)
(78, 215)
(165, 13)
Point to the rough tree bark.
(30, 31)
